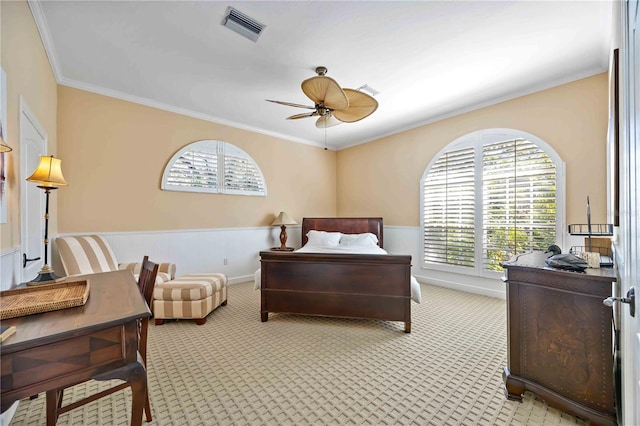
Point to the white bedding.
(416, 294)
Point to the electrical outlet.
(226, 261)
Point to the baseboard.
(462, 287)
(240, 279)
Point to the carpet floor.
(304, 370)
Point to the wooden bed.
(375, 286)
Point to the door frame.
(27, 114)
(626, 245)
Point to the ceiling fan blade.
(325, 90)
(303, 115)
(327, 121)
(291, 104)
(361, 105)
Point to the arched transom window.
(215, 167)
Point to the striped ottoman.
(192, 296)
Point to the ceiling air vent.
(242, 24)
(368, 89)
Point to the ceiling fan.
(333, 104)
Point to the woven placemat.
(19, 302)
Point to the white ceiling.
(428, 59)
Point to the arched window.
(214, 167)
(490, 195)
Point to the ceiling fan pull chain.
(325, 138)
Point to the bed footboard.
(338, 285)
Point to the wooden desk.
(98, 340)
(560, 339)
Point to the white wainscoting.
(197, 250)
(10, 268)
(205, 250)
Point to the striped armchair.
(90, 254)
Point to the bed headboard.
(346, 225)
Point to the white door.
(629, 235)
(634, 237)
(33, 144)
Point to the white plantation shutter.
(488, 197)
(241, 174)
(449, 213)
(518, 200)
(214, 167)
(196, 169)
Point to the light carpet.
(304, 370)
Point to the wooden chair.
(146, 282)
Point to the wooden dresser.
(560, 339)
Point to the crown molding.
(45, 36)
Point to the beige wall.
(382, 178)
(114, 153)
(29, 75)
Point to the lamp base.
(45, 276)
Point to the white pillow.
(323, 239)
(359, 240)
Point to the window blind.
(241, 175)
(486, 200)
(518, 199)
(449, 210)
(195, 169)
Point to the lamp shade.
(3, 147)
(283, 219)
(49, 173)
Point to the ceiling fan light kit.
(333, 104)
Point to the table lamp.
(48, 176)
(283, 220)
